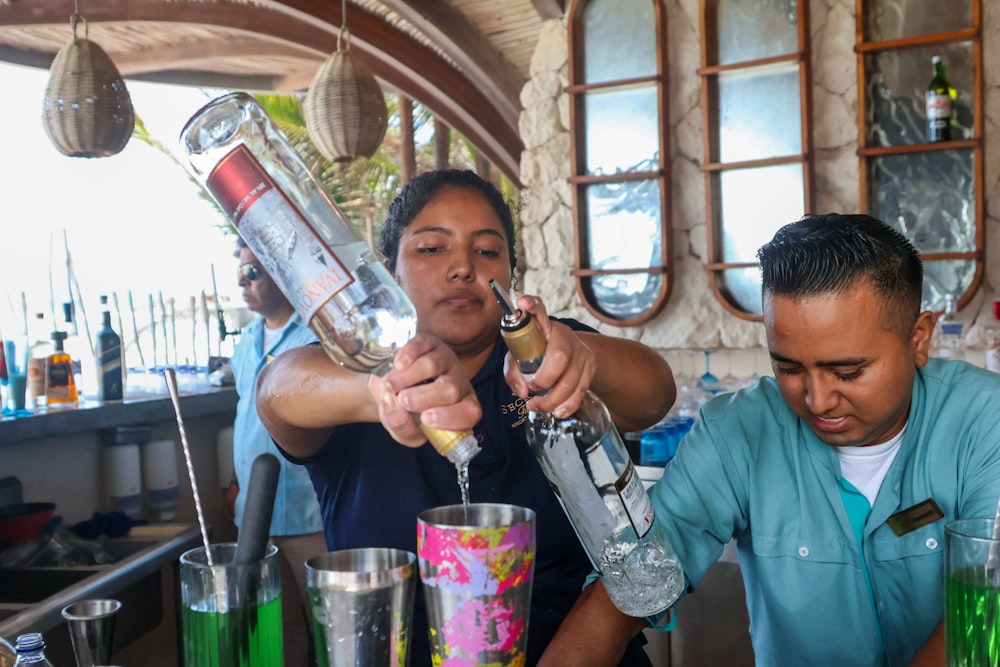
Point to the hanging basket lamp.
(345, 109)
(87, 110)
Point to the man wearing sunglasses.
(296, 527)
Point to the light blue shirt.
(750, 470)
(296, 510)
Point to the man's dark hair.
(420, 189)
(820, 254)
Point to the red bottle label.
(305, 269)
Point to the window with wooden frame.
(620, 156)
(930, 191)
(756, 104)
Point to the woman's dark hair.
(820, 254)
(420, 189)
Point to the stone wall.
(693, 318)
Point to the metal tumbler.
(361, 602)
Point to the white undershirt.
(865, 467)
(271, 335)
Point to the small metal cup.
(92, 630)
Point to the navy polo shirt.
(371, 489)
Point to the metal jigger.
(92, 629)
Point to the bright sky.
(133, 221)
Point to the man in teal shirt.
(835, 477)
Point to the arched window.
(756, 101)
(929, 187)
(621, 157)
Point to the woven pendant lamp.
(345, 109)
(87, 111)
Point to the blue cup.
(15, 386)
(654, 446)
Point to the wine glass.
(708, 381)
(729, 381)
(682, 367)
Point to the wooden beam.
(459, 39)
(394, 56)
(192, 54)
(549, 9)
(407, 150)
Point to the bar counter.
(134, 410)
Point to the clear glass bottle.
(588, 466)
(109, 358)
(41, 349)
(950, 331)
(992, 335)
(30, 650)
(83, 365)
(938, 101)
(318, 259)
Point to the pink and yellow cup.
(476, 564)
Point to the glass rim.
(966, 528)
(194, 557)
(361, 560)
(464, 516)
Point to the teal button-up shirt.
(296, 510)
(750, 470)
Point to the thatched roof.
(464, 59)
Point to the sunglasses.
(250, 272)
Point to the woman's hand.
(428, 385)
(565, 375)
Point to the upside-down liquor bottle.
(589, 468)
(320, 262)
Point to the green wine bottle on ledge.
(939, 99)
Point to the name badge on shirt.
(918, 516)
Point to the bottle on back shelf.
(939, 101)
(587, 464)
(950, 331)
(993, 339)
(60, 387)
(320, 262)
(41, 348)
(109, 358)
(77, 349)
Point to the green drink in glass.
(231, 614)
(972, 593)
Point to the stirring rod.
(171, 379)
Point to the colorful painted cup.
(477, 562)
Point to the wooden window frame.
(580, 180)
(713, 168)
(865, 152)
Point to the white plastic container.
(159, 477)
(123, 479)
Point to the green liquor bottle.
(939, 98)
